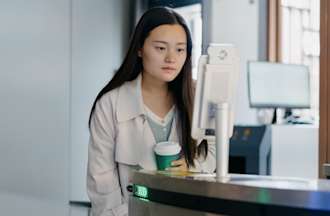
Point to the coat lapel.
(130, 101)
(136, 141)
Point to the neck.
(154, 86)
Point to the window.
(193, 16)
(300, 41)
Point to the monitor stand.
(274, 120)
(289, 118)
(287, 113)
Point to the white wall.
(34, 95)
(99, 39)
(55, 55)
(242, 23)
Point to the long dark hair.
(181, 87)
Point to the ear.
(140, 53)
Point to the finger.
(178, 162)
(177, 168)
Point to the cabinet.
(294, 150)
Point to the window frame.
(324, 131)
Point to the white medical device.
(214, 99)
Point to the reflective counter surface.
(290, 193)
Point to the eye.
(180, 50)
(160, 48)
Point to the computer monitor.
(275, 85)
(216, 82)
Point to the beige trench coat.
(121, 138)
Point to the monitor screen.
(275, 85)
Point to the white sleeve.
(103, 185)
(208, 164)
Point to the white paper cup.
(165, 153)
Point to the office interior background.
(56, 56)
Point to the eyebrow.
(164, 42)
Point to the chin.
(169, 78)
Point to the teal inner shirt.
(161, 128)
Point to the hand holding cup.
(168, 155)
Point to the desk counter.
(235, 195)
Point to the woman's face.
(164, 52)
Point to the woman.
(148, 100)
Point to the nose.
(170, 57)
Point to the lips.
(169, 68)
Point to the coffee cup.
(165, 153)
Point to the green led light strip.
(140, 191)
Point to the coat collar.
(130, 101)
